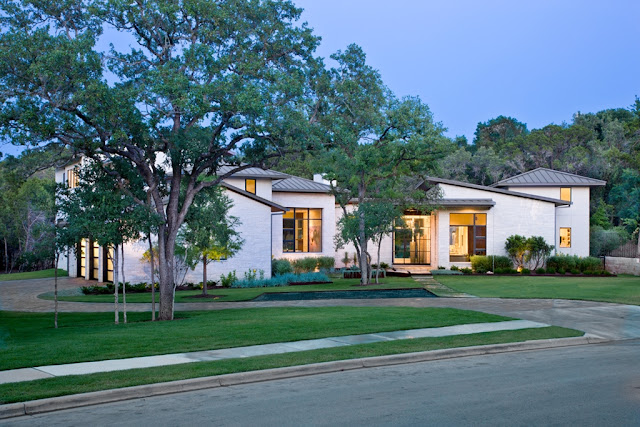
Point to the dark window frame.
(289, 245)
(475, 237)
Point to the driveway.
(606, 320)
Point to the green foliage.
(305, 265)
(516, 247)
(455, 268)
(326, 263)
(229, 279)
(525, 272)
(537, 251)
(551, 270)
(540, 271)
(482, 263)
(466, 270)
(281, 266)
(604, 241)
(572, 262)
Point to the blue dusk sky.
(538, 61)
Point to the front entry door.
(412, 241)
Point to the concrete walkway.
(39, 372)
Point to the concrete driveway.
(606, 320)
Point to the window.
(565, 237)
(565, 194)
(467, 236)
(72, 178)
(302, 230)
(250, 185)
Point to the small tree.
(537, 252)
(516, 247)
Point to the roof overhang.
(465, 203)
(274, 206)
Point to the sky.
(539, 61)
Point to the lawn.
(621, 289)
(42, 274)
(28, 339)
(50, 387)
(228, 294)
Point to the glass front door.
(412, 241)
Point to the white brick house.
(284, 216)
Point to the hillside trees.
(204, 84)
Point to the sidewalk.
(39, 372)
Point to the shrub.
(516, 247)
(466, 270)
(480, 263)
(537, 251)
(455, 268)
(229, 279)
(565, 262)
(443, 272)
(281, 266)
(603, 241)
(590, 263)
(575, 271)
(384, 265)
(540, 271)
(326, 263)
(305, 265)
(440, 267)
(525, 272)
(499, 261)
(561, 271)
(551, 270)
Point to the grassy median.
(59, 386)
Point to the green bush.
(455, 268)
(466, 270)
(440, 267)
(590, 263)
(304, 265)
(540, 271)
(516, 247)
(325, 263)
(562, 271)
(228, 280)
(525, 272)
(283, 280)
(575, 271)
(565, 262)
(551, 270)
(480, 263)
(281, 266)
(499, 261)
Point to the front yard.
(621, 289)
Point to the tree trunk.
(55, 291)
(204, 275)
(124, 286)
(153, 282)
(364, 261)
(115, 284)
(378, 269)
(165, 273)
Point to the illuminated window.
(250, 185)
(565, 194)
(467, 236)
(72, 178)
(565, 237)
(302, 230)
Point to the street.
(585, 385)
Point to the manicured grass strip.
(60, 386)
(228, 295)
(622, 289)
(30, 340)
(42, 274)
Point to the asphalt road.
(588, 385)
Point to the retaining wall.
(619, 265)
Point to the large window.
(565, 237)
(72, 178)
(412, 240)
(467, 236)
(302, 230)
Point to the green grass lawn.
(228, 294)
(621, 289)
(51, 387)
(28, 339)
(42, 274)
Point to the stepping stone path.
(432, 285)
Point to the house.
(284, 216)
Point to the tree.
(210, 231)
(516, 247)
(205, 84)
(374, 141)
(498, 133)
(102, 213)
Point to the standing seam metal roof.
(548, 177)
(295, 184)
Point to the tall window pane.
(302, 230)
(467, 236)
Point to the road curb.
(115, 395)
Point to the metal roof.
(557, 202)
(295, 184)
(274, 206)
(252, 173)
(465, 203)
(543, 177)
